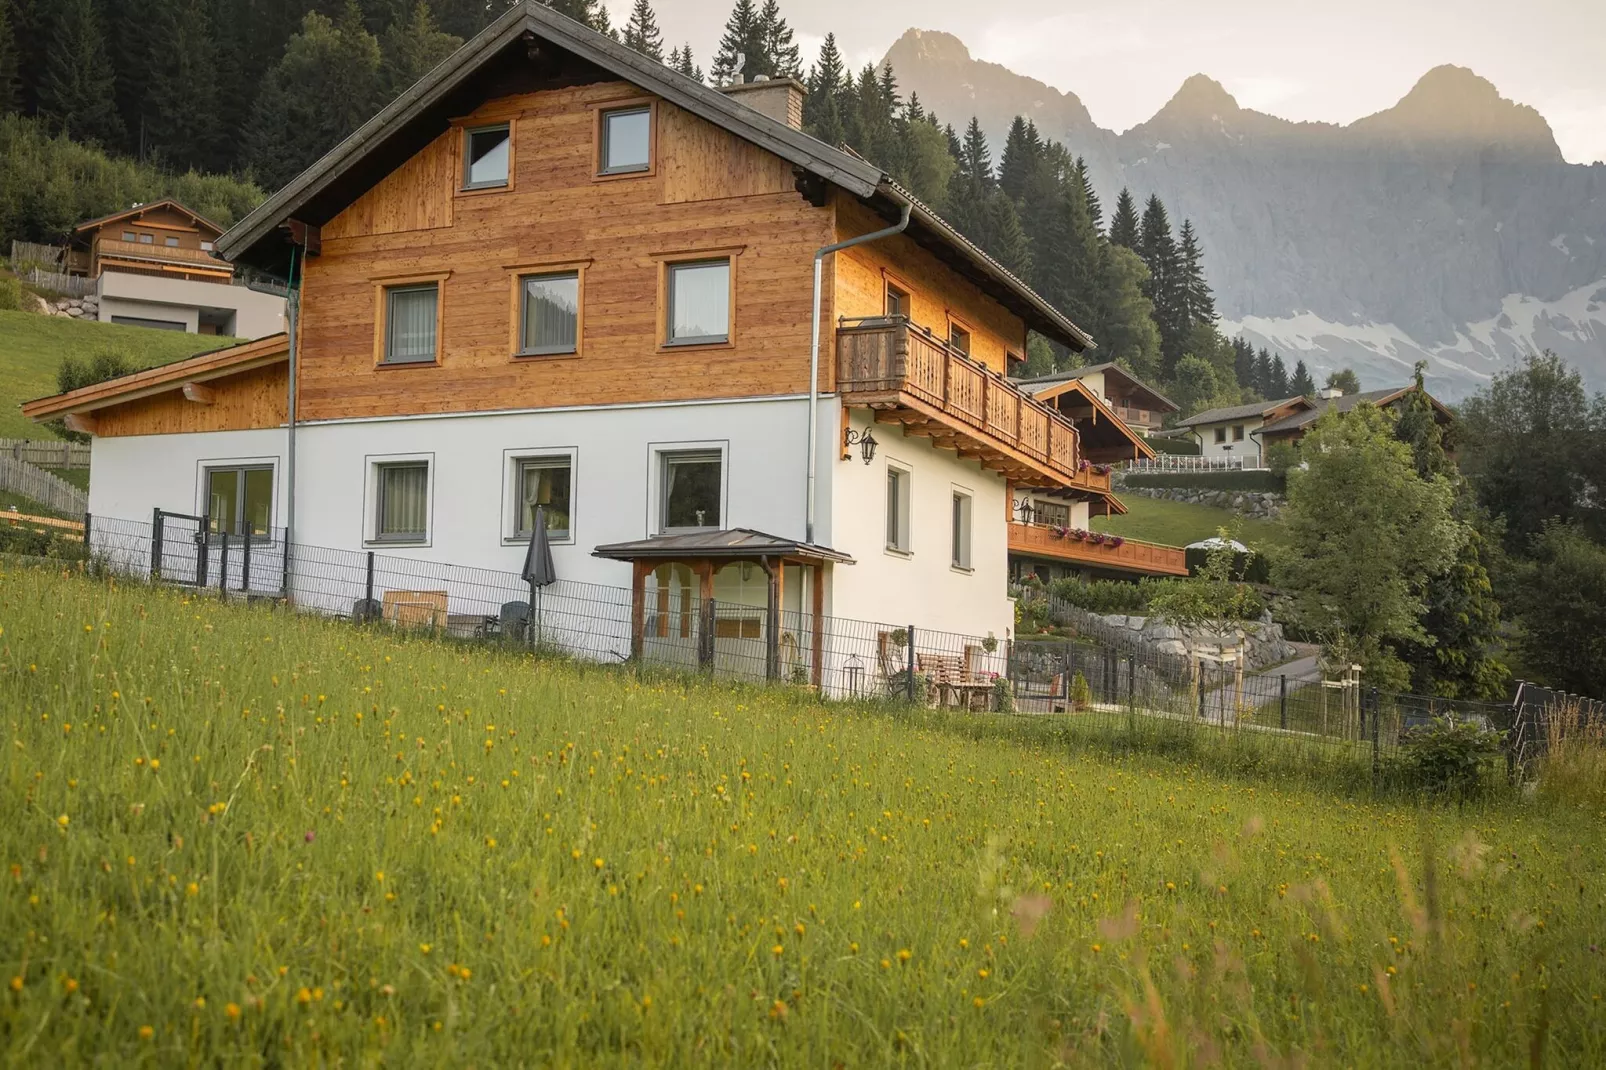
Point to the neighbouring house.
(1136, 403)
(155, 265)
(555, 273)
(1292, 427)
(1231, 435)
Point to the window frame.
(513, 465)
(506, 183)
(903, 546)
(962, 519)
(957, 325)
(517, 273)
(373, 498)
(892, 286)
(1220, 435)
(657, 473)
(666, 294)
(170, 241)
(383, 285)
(147, 239)
(131, 236)
(241, 466)
(599, 130)
(1237, 432)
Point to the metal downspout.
(814, 361)
(293, 314)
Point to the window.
(1221, 434)
(1237, 432)
(549, 313)
(545, 481)
(147, 239)
(170, 242)
(207, 247)
(692, 488)
(897, 301)
(959, 338)
(402, 502)
(898, 486)
(626, 141)
(410, 329)
(239, 501)
(129, 235)
(486, 156)
(1057, 514)
(160, 325)
(699, 302)
(961, 526)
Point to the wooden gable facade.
(160, 238)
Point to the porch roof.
(730, 544)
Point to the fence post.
(222, 568)
(203, 548)
(1132, 682)
(705, 637)
(88, 530)
(1282, 701)
(1376, 743)
(909, 657)
(156, 544)
(368, 584)
(245, 566)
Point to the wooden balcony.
(1142, 558)
(911, 377)
(164, 259)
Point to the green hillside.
(32, 347)
(1178, 523)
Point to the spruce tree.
(591, 13)
(10, 83)
(781, 55)
(1095, 211)
(1124, 223)
(926, 163)
(822, 107)
(1278, 379)
(1243, 363)
(971, 186)
(1023, 150)
(1159, 251)
(1004, 239)
(1262, 377)
(642, 33)
(744, 37)
(182, 125)
(78, 92)
(1198, 302)
(411, 49)
(1302, 384)
(1126, 331)
(1068, 257)
(680, 59)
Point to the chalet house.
(1292, 427)
(155, 265)
(556, 273)
(1137, 404)
(1232, 434)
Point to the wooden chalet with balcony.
(161, 238)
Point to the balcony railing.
(199, 259)
(887, 362)
(1146, 558)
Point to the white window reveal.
(899, 482)
(691, 492)
(700, 302)
(626, 140)
(547, 483)
(486, 156)
(402, 502)
(550, 320)
(410, 323)
(961, 530)
(239, 500)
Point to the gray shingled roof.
(1041, 383)
(1235, 412)
(1345, 403)
(327, 184)
(733, 543)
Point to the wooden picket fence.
(46, 452)
(51, 491)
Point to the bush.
(1104, 596)
(1449, 756)
(1081, 694)
(1281, 456)
(10, 294)
(1183, 447)
(1254, 480)
(1003, 695)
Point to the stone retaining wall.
(1261, 505)
(1263, 640)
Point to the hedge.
(1257, 480)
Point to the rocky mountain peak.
(1200, 99)
(929, 46)
(1452, 104)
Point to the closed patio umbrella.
(538, 568)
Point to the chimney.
(1328, 393)
(779, 98)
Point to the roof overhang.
(502, 60)
(217, 364)
(143, 209)
(731, 545)
(1103, 414)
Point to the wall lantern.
(864, 440)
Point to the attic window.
(486, 156)
(626, 140)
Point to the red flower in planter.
(1117, 542)
(1097, 538)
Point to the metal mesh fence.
(1115, 689)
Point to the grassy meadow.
(236, 836)
(1179, 523)
(32, 348)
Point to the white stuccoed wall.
(1249, 448)
(922, 588)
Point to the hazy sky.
(1330, 61)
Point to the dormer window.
(626, 141)
(486, 156)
